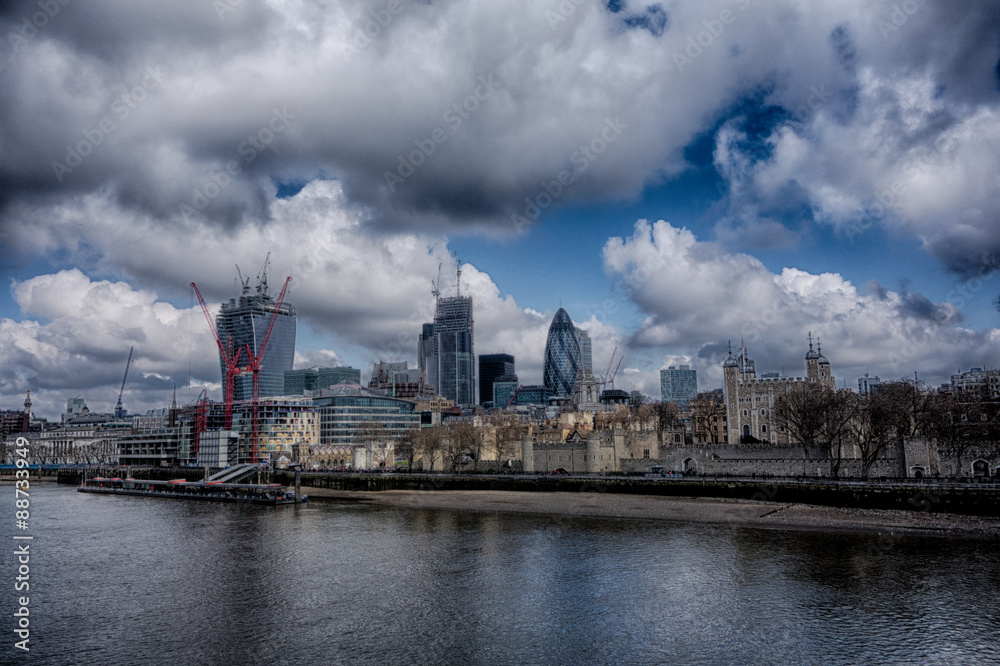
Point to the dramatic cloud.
(699, 296)
(148, 146)
(79, 338)
(367, 294)
(200, 110)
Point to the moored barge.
(211, 491)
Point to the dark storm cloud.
(445, 114)
(918, 306)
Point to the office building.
(242, 324)
(563, 355)
(346, 408)
(301, 382)
(454, 350)
(679, 385)
(492, 366)
(427, 354)
(586, 353)
(504, 388)
(868, 385)
(399, 381)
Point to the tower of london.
(750, 401)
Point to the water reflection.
(133, 580)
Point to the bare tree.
(406, 446)
(703, 413)
(428, 444)
(666, 414)
(373, 434)
(460, 440)
(802, 410)
(871, 431)
(507, 429)
(838, 412)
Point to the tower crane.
(121, 412)
(436, 286)
(230, 359)
(254, 364)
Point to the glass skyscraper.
(563, 355)
(454, 351)
(244, 322)
(492, 366)
(298, 382)
(679, 385)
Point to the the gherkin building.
(563, 355)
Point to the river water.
(142, 581)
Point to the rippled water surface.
(141, 581)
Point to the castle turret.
(824, 372)
(812, 361)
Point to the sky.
(678, 175)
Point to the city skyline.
(675, 178)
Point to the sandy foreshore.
(712, 511)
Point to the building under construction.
(446, 348)
(243, 324)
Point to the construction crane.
(609, 377)
(262, 276)
(254, 364)
(244, 281)
(436, 286)
(230, 359)
(511, 401)
(121, 412)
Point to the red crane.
(230, 358)
(612, 379)
(254, 367)
(511, 401)
(609, 377)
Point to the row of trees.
(459, 440)
(838, 421)
(639, 415)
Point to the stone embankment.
(973, 499)
(704, 510)
(931, 497)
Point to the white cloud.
(699, 296)
(360, 297)
(79, 338)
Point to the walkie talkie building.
(244, 322)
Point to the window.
(645, 453)
(763, 427)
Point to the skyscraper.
(586, 355)
(492, 366)
(427, 355)
(454, 350)
(563, 355)
(679, 385)
(244, 323)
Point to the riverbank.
(710, 511)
